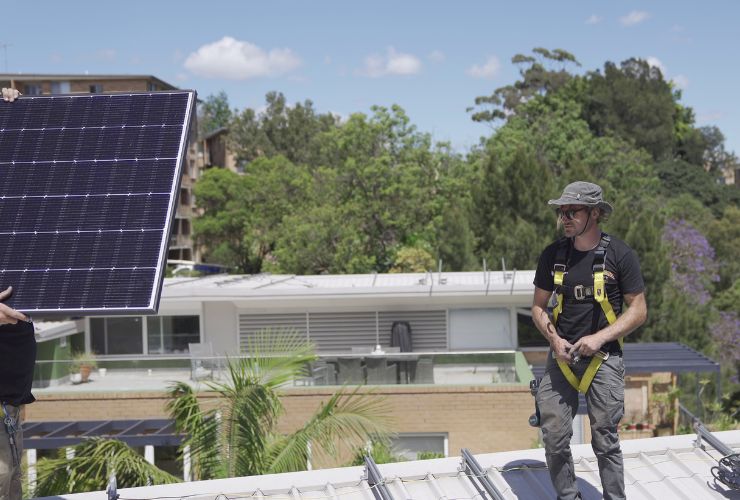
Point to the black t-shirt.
(584, 317)
(17, 360)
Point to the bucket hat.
(583, 193)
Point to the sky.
(432, 58)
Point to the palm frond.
(251, 403)
(349, 418)
(93, 462)
(200, 429)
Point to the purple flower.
(693, 268)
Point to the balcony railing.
(378, 368)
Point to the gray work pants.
(10, 473)
(558, 404)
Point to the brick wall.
(484, 419)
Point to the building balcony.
(157, 372)
(181, 241)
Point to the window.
(529, 335)
(420, 446)
(121, 335)
(60, 88)
(172, 334)
(96, 88)
(33, 90)
(151, 87)
(125, 335)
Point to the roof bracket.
(478, 476)
(375, 480)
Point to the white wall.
(219, 327)
(480, 329)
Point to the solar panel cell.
(88, 194)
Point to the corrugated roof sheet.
(657, 468)
(477, 283)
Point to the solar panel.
(88, 186)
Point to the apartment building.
(182, 245)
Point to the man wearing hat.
(581, 284)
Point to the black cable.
(727, 471)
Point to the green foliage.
(238, 437)
(412, 260)
(540, 74)
(724, 235)
(634, 102)
(94, 461)
(380, 451)
(281, 129)
(214, 113)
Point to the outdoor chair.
(424, 373)
(202, 362)
(350, 371)
(380, 372)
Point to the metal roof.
(52, 435)
(219, 287)
(655, 357)
(656, 468)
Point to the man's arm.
(8, 315)
(561, 347)
(629, 321)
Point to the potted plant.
(82, 364)
(665, 409)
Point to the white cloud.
(392, 63)
(436, 56)
(680, 81)
(656, 63)
(594, 19)
(634, 17)
(489, 69)
(239, 60)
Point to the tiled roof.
(659, 468)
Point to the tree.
(91, 465)
(239, 436)
(512, 219)
(678, 177)
(214, 113)
(537, 79)
(290, 131)
(634, 102)
(222, 196)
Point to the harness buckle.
(579, 291)
(559, 267)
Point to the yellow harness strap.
(582, 384)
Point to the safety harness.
(580, 292)
(11, 427)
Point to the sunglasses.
(569, 214)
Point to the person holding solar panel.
(17, 360)
(581, 284)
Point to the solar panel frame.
(152, 282)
